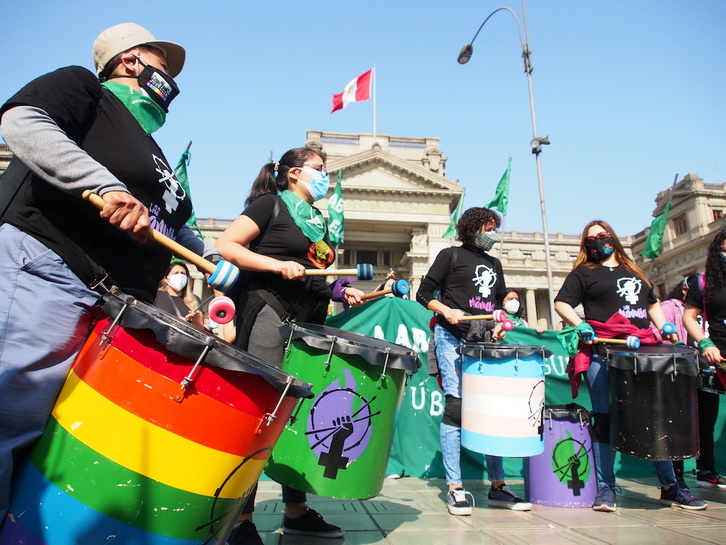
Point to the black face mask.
(600, 249)
(160, 86)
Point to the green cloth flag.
(181, 175)
(336, 220)
(651, 250)
(501, 197)
(451, 231)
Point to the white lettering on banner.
(436, 406)
(336, 203)
(555, 365)
(420, 338)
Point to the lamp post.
(537, 141)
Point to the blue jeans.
(45, 316)
(597, 384)
(450, 370)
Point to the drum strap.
(275, 304)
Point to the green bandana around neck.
(147, 112)
(308, 218)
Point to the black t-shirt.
(282, 239)
(171, 304)
(102, 126)
(715, 309)
(603, 291)
(468, 279)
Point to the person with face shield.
(465, 280)
(73, 130)
(613, 290)
(279, 235)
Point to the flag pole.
(375, 77)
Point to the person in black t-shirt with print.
(468, 280)
(70, 132)
(707, 296)
(611, 288)
(277, 237)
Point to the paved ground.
(412, 512)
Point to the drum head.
(374, 351)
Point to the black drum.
(653, 401)
(712, 381)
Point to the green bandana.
(308, 218)
(147, 112)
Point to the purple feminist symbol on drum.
(339, 425)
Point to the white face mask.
(177, 281)
(512, 306)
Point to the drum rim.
(243, 361)
(503, 350)
(398, 356)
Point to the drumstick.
(630, 342)
(399, 288)
(224, 274)
(498, 316)
(364, 271)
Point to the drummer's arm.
(658, 318)
(453, 316)
(232, 245)
(690, 321)
(568, 313)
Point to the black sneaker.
(503, 497)
(710, 479)
(457, 502)
(310, 523)
(245, 533)
(680, 481)
(675, 496)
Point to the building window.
(717, 214)
(680, 225)
(386, 258)
(367, 256)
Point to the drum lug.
(330, 356)
(382, 378)
(269, 418)
(106, 337)
(189, 379)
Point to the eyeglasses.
(320, 167)
(601, 235)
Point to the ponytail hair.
(273, 178)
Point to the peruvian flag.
(356, 91)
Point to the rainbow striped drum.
(158, 433)
(503, 393)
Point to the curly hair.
(677, 291)
(620, 256)
(715, 266)
(471, 222)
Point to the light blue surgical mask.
(319, 184)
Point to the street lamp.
(537, 141)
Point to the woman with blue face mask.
(277, 237)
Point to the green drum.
(337, 443)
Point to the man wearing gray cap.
(70, 131)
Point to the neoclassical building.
(398, 204)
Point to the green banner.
(416, 448)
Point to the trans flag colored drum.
(337, 444)
(158, 432)
(653, 401)
(564, 474)
(503, 392)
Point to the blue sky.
(629, 93)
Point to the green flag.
(501, 197)
(336, 221)
(181, 175)
(451, 231)
(651, 250)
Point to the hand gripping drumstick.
(364, 271)
(399, 288)
(498, 316)
(223, 274)
(630, 341)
